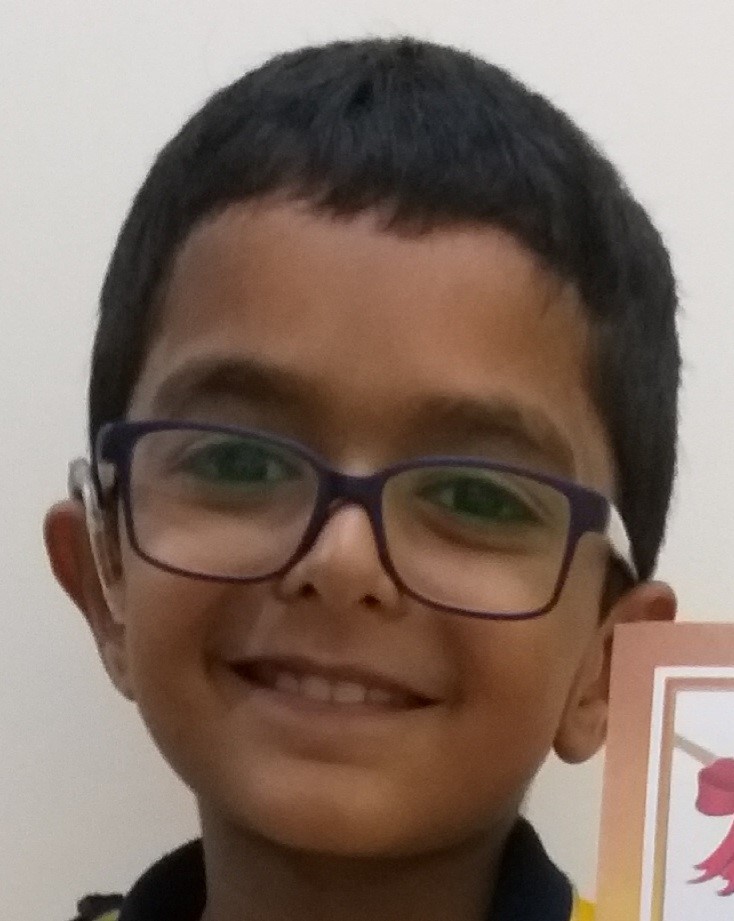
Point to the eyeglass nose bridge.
(337, 490)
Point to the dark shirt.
(529, 887)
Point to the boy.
(383, 416)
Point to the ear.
(583, 727)
(72, 561)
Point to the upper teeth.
(321, 689)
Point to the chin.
(337, 811)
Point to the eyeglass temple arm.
(78, 474)
(616, 534)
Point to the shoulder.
(172, 889)
(99, 908)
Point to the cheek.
(163, 648)
(169, 624)
(516, 679)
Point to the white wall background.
(88, 93)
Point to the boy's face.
(369, 347)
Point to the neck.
(251, 879)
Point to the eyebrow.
(454, 419)
(470, 420)
(247, 379)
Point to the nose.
(342, 568)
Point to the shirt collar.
(529, 885)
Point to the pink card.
(667, 833)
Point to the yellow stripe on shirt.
(582, 910)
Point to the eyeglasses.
(458, 533)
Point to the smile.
(328, 687)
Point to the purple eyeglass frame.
(589, 510)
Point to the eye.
(237, 462)
(480, 500)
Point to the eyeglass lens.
(228, 506)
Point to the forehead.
(369, 329)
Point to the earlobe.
(73, 564)
(583, 728)
(65, 536)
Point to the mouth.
(302, 683)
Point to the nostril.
(308, 590)
(371, 601)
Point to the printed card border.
(668, 683)
(641, 650)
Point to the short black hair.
(430, 136)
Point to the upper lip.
(302, 665)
